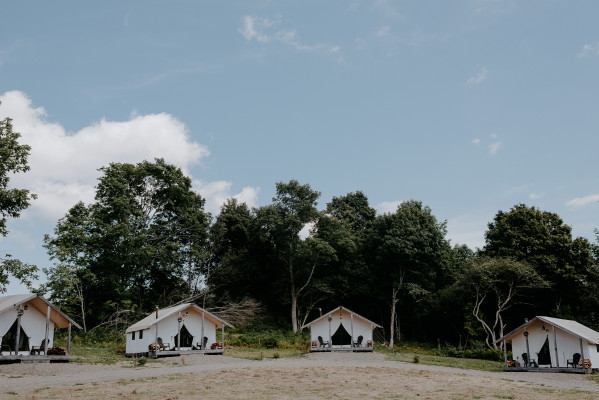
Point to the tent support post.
(581, 354)
(555, 345)
(47, 331)
(352, 329)
(330, 336)
(17, 337)
(222, 336)
(69, 340)
(505, 353)
(527, 348)
(202, 346)
(179, 332)
(156, 342)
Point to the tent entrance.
(9, 338)
(341, 337)
(544, 354)
(186, 337)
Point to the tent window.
(141, 334)
(10, 337)
(186, 337)
(133, 335)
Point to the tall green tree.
(409, 248)
(13, 159)
(296, 259)
(544, 241)
(494, 285)
(134, 245)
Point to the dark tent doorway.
(186, 337)
(10, 337)
(544, 354)
(341, 337)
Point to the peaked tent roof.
(60, 319)
(325, 315)
(164, 313)
(572, 327)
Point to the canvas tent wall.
(195, 324)
(562, 337)
(340, 328)
(35, 314)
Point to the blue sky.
(469, 106)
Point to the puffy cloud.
(476, 141)
(387, 207)
(534, 196)
(583, 201)
(589, 49)
(478, 78)
(494, 148)
(64, 166)
(217, 193)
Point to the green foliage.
(132, 247)
(268, 338)
(13, 159)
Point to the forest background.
(147, 241)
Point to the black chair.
(321, 342)
(359, 342)
(38, 349)
(202, 345)
(574, 361)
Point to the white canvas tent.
(29, 320)
(341, 330)
(551, 343)
(181, 328)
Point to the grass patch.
(431, 359)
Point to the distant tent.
(341, 337)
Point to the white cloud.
(217, 193)
(589, 49)
(387, 207)
(534, 196)
(265, 30)
(579, 202)
(64, 166)
(478, 78)
(476, 141)
(383, 31)
(494, 148)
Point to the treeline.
(146, 240)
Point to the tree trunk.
(293, 309)
(392, 324)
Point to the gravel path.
(22, 378)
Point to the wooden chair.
(574, 361)
(38, 349)
(322, 343)
(162, 345)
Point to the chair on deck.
(359, 342)
(574, 361)
(162, 345)
(321, 342)
(202, 345)
(38, 349)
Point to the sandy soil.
(314, 376)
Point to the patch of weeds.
(13, 393)
(40, 389)
(501, 396)
(78, 384)
(416, 359)
(276, 355)
(141, 362)
(16, 376)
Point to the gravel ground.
(23, 378)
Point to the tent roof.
(325, 315)
(164, 313)
(60, 319)
(567, 325)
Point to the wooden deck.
(562, 370)
(341, 349)
(22, 358)
(176, 353)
